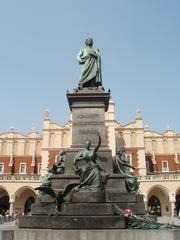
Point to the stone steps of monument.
(109, 196)
(100, 209)
(41, 208)
(72, 222)
(87, 209)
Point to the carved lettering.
(88, 131)
(87, 123)
(92, 115)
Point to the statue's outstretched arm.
(128, 165)
(99, 143)
(79, 57)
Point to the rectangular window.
(22, 168)
(39, 168)
(165, 166)
(1, 168)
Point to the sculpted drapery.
(92, 176)
(90, 60)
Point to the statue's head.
(89, 42)
(120, 151)
(62, 152)
(88, 144)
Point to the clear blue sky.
(139, 41)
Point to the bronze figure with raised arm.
(92, 176)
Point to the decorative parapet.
(20, 178)
(159, 177)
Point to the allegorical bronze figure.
(122, 165)
(92, 176)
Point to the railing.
(37, 177)
(160, 177)
(20, 178)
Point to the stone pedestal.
(86, 210)
(88, 108)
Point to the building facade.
(25, 159)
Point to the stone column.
(172, 208)
(172, 200)
(145, 201)
(11, 208)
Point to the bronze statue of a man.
(90, 60)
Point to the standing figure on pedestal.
(122, 165)
(59, 165)
(90, 60)
(92, 176)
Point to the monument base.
(73, 222)
(48, 234)
(85, 210)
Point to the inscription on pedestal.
(88, 109)
(87, 123)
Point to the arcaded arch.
(158, 201)
(21, 198)
(4, 200)
(22, 189)
(158, 186)
(177, 203)
(178, 190)
(4, 191)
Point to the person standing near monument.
(90, 60)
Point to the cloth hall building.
(25, 159)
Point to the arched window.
(154, 206)
(133, 139)
(64, 142)
(26, 150)
(176, 145)
(154, 145)
(15, 148)
(4, 148)
(38, 148)
(165, 145)
(52, 140)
